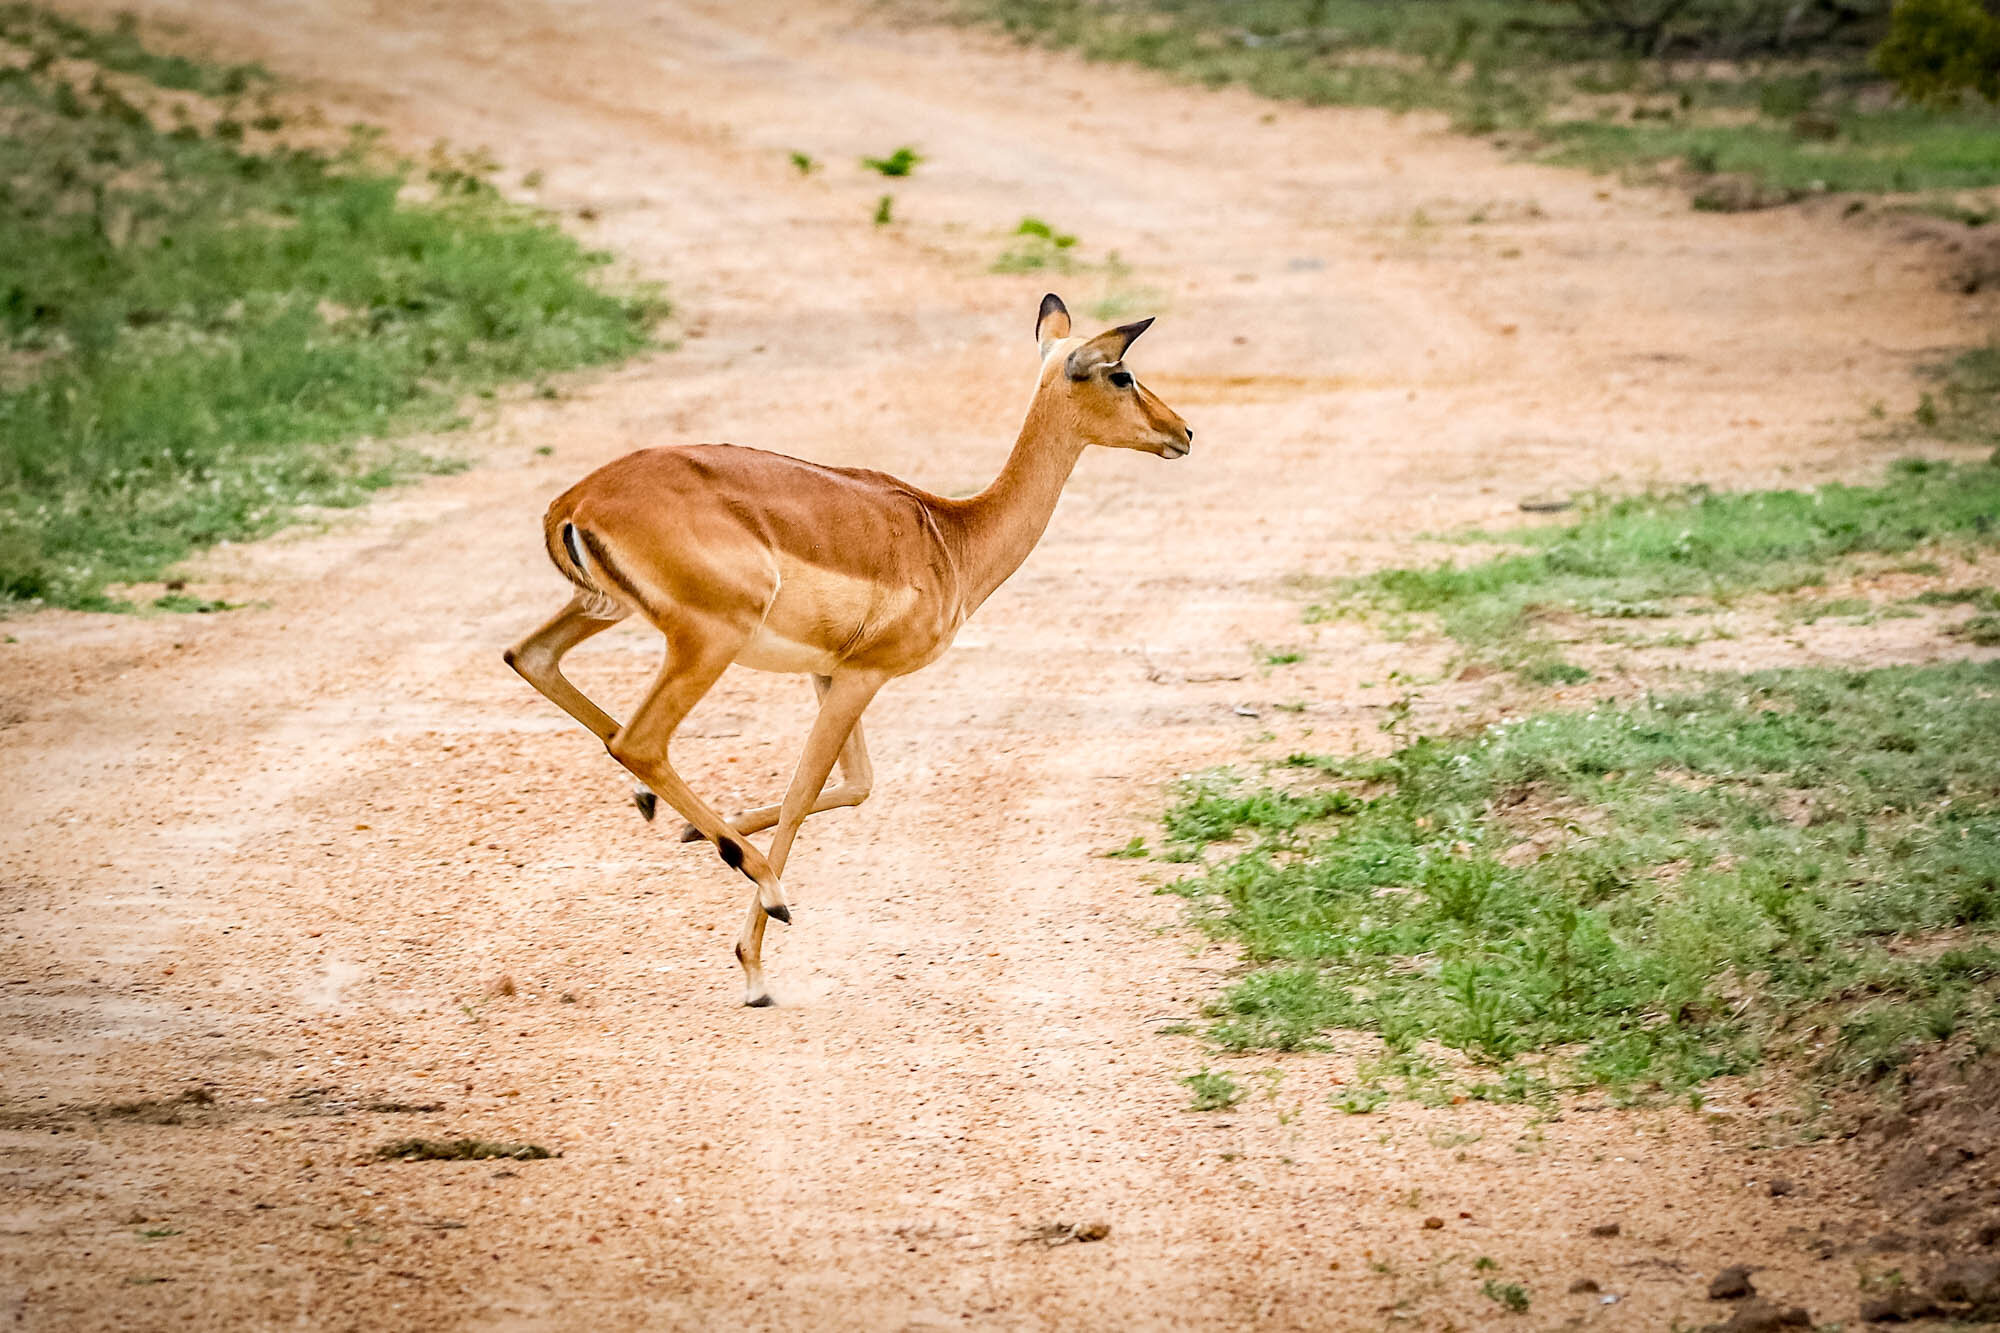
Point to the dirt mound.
(1938, 1180)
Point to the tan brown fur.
(740, 556)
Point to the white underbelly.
(769, 651)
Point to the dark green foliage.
(1665, 891)
(197, 337)
(1938, 50)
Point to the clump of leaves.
(885, 210)
(1510, 1296)
(899, 163)
(804, 163)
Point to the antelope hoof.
(689, 833)
(759, 1000)
(779, 912)
(649, 804)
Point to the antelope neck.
(996, 528)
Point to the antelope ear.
(1052, 322)
(1105, 349)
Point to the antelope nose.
(1190, 433)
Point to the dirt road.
(326, 854)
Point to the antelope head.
(1087, 385)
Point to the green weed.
(804, 163)
(1734, 873)
(1212, 1091)
(1036, 246)
(899, 163)
(1511, 1296)
(885, 210)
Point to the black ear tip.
(1051, 303)
(1139, 327)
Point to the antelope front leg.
(857, 779)
(841, 704)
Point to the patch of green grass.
(1359, 1100)
(1790, 864)
(1872, 151)
(1510, 1296)
(899, 163)
(1555, 672)
(1984, 598)
(885, 210)
(1983, 630)
(1791, 107)
(1134, 850)
(1661, 554)
(199, 337)
(45, 35)
(1212, 1091)
(804, 163)
(1966, 407)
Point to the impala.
(740, 556)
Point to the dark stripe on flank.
(570, 545)
(731, 852)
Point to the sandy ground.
(293, 856)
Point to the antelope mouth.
(1175, 450)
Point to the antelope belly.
(768, 650)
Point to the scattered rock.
(459, 1150)
(1584, 1286)
(1975, 1282)
(1780, 1186)
(1434, 1224)
(1067, 1233)
(1605, 1229)
(1898, 1306)
(1731, 1284)
(1760, 1316)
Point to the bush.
(1937, 50)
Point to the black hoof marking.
(508, 657)
(649, 804)
(689, 833)
(761, 1002)
(779, 913)
(731, 852)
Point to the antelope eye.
(1121, 379)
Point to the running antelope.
(738, 555)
